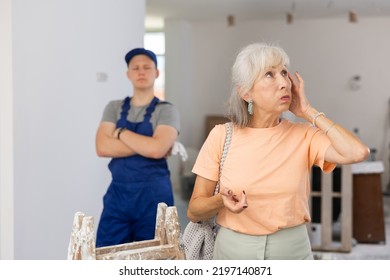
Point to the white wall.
(58, 49)
(326, 52)
(6, 134)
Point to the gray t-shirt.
(164, 113)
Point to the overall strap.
(124, 112)
(150, 109)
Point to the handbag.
(198, 238)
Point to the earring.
(250, 107)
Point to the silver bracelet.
(316, 116)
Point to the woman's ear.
(246, 97)
(243, 94)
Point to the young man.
(137, 133)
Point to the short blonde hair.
(251, 61)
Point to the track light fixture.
(231, 20)
(353, 17)
(290, 18)
(290, 15)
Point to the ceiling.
(243, 10)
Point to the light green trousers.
(287, 244)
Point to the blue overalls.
(138, 185)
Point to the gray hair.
(250, 63)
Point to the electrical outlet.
(101, 77)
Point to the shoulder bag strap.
(229, 131)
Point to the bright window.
(155, 41)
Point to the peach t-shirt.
(272, 166)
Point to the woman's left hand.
(299, 104)
(232, 202)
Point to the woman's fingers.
(244, 201)
(299, 77)
(294, 81)
(232, 202)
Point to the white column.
(178, 73)
(6, 135)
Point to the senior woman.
(262, 206)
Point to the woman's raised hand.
(299, 104)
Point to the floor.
(360, 251)
(363, 251)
